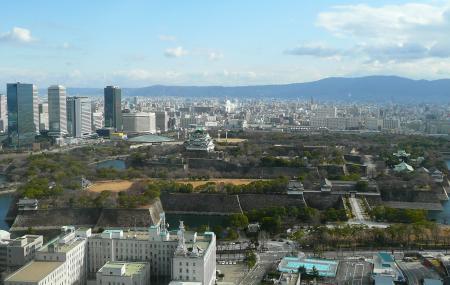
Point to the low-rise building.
(26, 204)
(384, 266)
(37, 273)
(122, 256)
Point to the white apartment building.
(373, 124)
(124, 273)
(61, 261)
(57, 114)
(141, 122)
(195, 258)
(97, 120)
(391, 124)
(326, 112)
(79, 255)
(43, 116)
(15, 253)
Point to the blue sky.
(140, 43)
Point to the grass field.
(111, 185)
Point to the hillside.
(362, 89)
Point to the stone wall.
(87, 217)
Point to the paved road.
(277, 250)
(415, 272)
(356, 209)
(371, 167)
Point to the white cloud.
(167, 38)
(214, 55)
(17, 35)
(175, 52)
(311, 49)
(390, 33)
(66, 45)
(400, 23)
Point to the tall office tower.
(43, 116)
(79, 116)
(57, 110)
(3, 116)
(162, 121)
(113, 108)
(23, 117)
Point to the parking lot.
(415, 272)
(233, 273)
(354, 273)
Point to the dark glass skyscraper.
(23, 118)
(113, 108)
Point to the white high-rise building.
(97, 120)
(57, 110)
(3, 114)
(79, 116)
(43, 116)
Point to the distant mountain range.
(362, 89)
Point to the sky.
(136, 43)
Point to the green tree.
(250, 259)
(238, 221)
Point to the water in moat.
(5, 201)
(443, 216)
(117, 164)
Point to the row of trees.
(416, 235)
(381, 213)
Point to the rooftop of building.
(386, 257)
(55, 246)
(184, 283)
(34, 271)
(131, 268)
(150, 139)
(429, 281)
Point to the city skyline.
(230, 43)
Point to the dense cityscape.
(225, 142)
